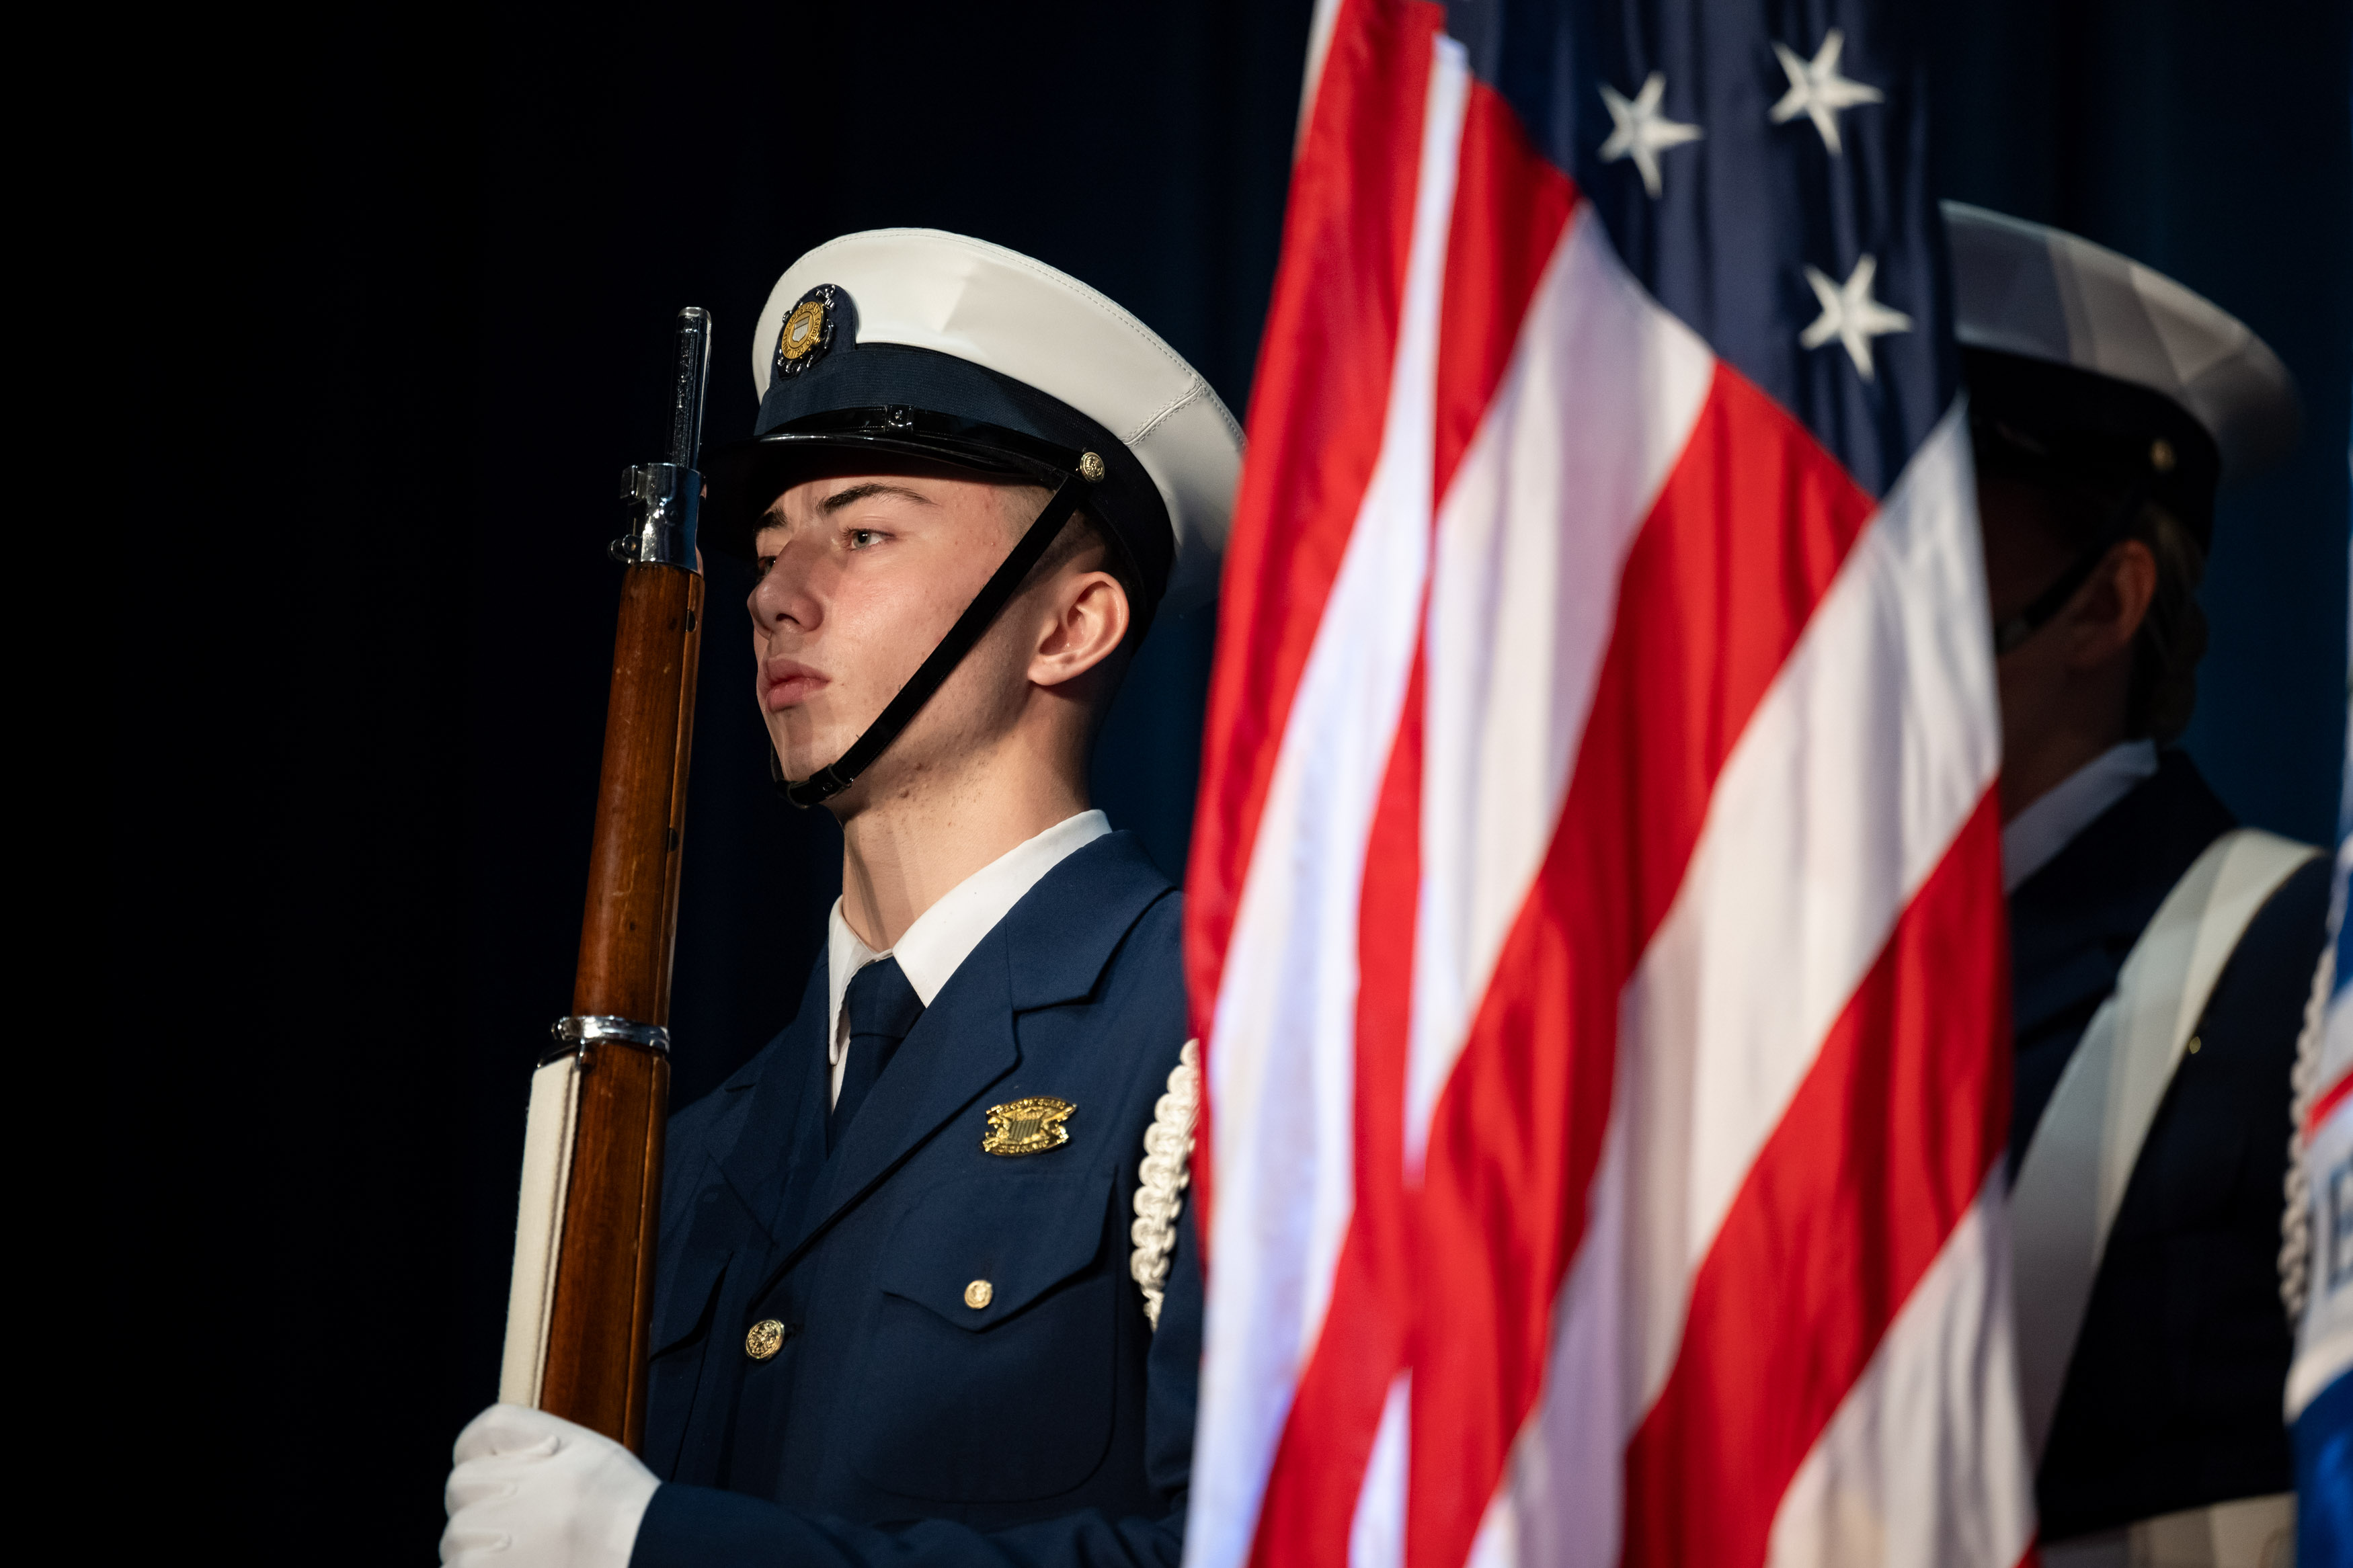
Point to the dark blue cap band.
(916, 402)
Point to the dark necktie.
(881, 1007)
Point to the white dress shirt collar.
(942, 937)
(2036, 835)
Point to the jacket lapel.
(962, 1044)
(1051, 947)
(2059, 964)
(2073, 921)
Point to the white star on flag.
(1850, 315)
(1818, 92)
(1641, 131)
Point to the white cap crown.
(2025, 288)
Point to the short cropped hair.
(1081, 533)
(2172, 638)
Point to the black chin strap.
(2013, 631)
(978, 615)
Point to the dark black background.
(427, 263)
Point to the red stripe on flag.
(1747, 534)
(1319, 1464)
(1883, 1150)
(1510, 206)
(1511, 210)
(1317, 405)
(2330, 1098)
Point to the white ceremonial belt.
(2252, 1532)
(2072, 1180)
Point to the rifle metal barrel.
(685, 396)
(664, 499)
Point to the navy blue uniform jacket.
(1049, 1427)
(2172, 1400)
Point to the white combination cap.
(992, 329)
(2040, 293)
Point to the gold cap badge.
(1028, 1126)
(808, 331)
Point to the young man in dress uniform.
(2161, 955)
(926, 1290)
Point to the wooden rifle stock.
(595, 1372)
(585, 1231)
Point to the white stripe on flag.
(1377, 1534)
(1562, 1500)
(1851, 782)
(1873, 746)
(1282, 1055)
(1597, 401)
(1924, 1465)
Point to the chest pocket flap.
(696, 1259)
(682, 1310)
(1001, 1244)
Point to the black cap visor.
(887, 399)
(2077, 430)
(746, 478)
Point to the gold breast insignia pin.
(1028, 1126)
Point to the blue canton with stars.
(1764, 171)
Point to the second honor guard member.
(927, 1291)
(2160, 953)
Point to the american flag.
(2318, 1261)
(1595, 915)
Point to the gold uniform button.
(978, 1294)
(2194, 1042)
(766, 1338)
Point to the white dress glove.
(534, 1490)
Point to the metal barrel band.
(577, 1036)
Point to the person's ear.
(1089, 619)
(2107, 615)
